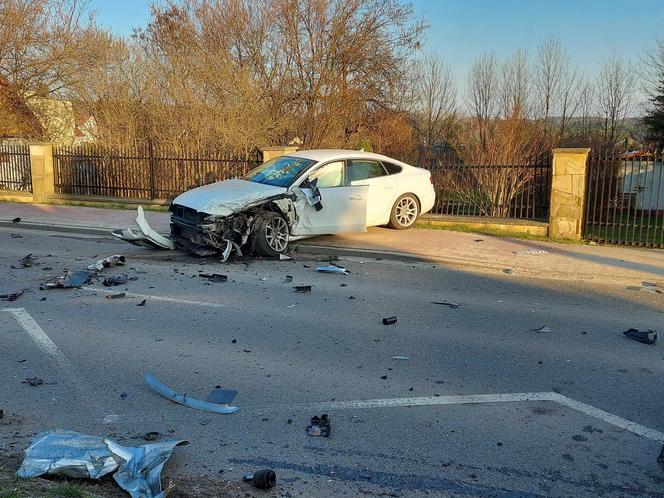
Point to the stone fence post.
(41, 165)
(280, 150)
(568, 190)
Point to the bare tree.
(434, 100)
(482, 95)
(548, 68)
(615, 92)
(514, 86)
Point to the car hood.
(227, 197)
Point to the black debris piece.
(115, 260)
(302, 288)
(43, 298)
(288, 279)
(383, 377)
(16, 236)
(543, 329)
(2, 414)
(68, 280)
(389, 320)
(121, 279)
(142, 303)
(16, 220)
(509, 271)
(214, 277)
(33, 381)
(478, 240)
(117, 295)
(319, 426)
(446, 303)
(151, 436)
(660, 458)
(28, 261)
(263, 479)
(12, 296)
(645, 336)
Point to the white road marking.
(158, 298)
(48, 347)
(602, 415)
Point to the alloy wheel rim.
(276, 234)
(406, 211)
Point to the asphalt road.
(291, 356)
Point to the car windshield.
(280, 171)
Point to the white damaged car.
(291, 197)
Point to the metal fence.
(520, 190)
(142, 172)
(625, 198)
(15, 171)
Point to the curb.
(50, 227)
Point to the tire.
(271, 235)
(404, 213)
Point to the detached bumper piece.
(144, 235)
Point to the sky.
(461, 30)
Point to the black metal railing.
(15, 171)
(520, 190)
(625, 198)
(143, 171)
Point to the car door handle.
(356, 198)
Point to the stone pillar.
(43, 179)
(279, 150)
(568, 190)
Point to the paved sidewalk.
(628, 266)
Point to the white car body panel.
(344, 210)
(226, 197)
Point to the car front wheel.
(272, 235)
(405, 211)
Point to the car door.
(342, 207)
(382, 188)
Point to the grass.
(646, 230)
(14, 493)
(495, 232)
(67, 490)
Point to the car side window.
(392, 168)
(328, 175)
(362, 169)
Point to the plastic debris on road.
(115, 260)
(531, 251)
(81, 456)
(446, 303)
(645, 336)
(389, 320)
(401, 358)
(214, 277)
(302, 288)
(262, 479)
(184, 399)
(332, 269)
(543, 329)
(28, 261)
(12, 296)
(68, 280)
(319, 426)
(118, 280)
(117, 295)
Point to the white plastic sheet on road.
(81, 456)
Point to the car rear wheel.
(405, 211)
(272, 235)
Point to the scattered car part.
(288, 279)
(508, 271)
(33, 381)
(319, 426)
(531, 251)
(12, 296)
(145, 236)
(68, 280)
(16, 236)
(447, 303)
(542, 329)
(142, 303)
(645, 336)
(28, 261)
(214, 277)
(332, 269)
(121, 279)
(117, 295)
(302, 288)
(115, 260)
(151, 436)
(660, 458)
(16, 220)
(401, 358)
(81, 456)
(284, 257)
(389, 320)
(262, 479)
(185, 400)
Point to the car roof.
(332, 154)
